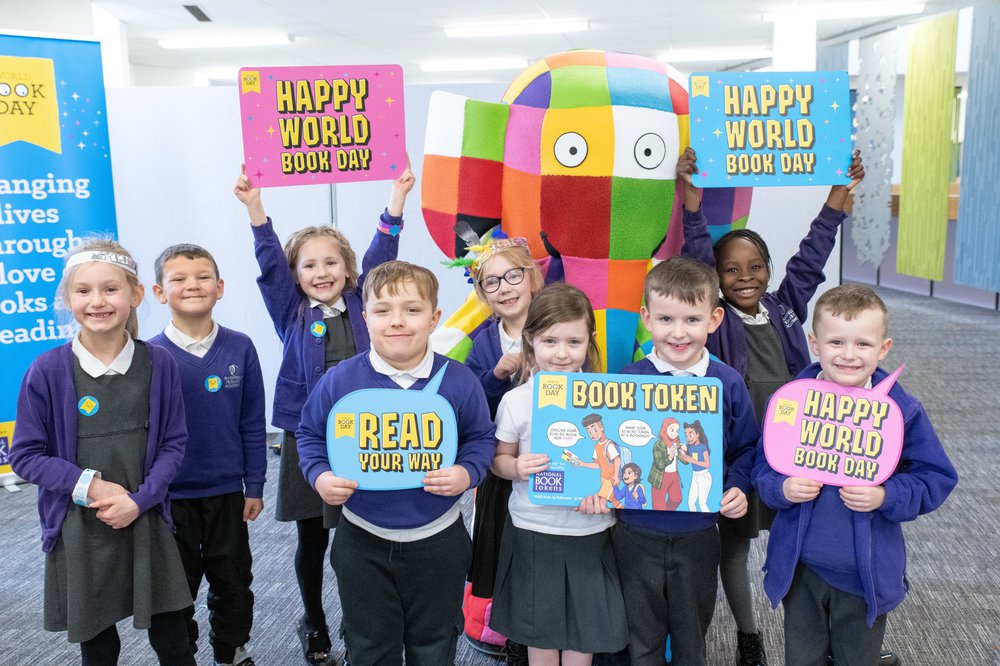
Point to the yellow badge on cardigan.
(88, 405)
(318, 329)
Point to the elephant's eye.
(571, 149)
(650, 151)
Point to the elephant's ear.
(462, 179)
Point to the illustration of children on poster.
(664, 481)
(607, 458)
(629, 492)
(697, 456)
(670, 426)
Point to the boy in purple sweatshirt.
(220, 484)
(669, 560)
(836, 557)
(400, 556)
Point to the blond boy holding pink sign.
(836, 557)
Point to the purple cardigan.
(923, 479)
(788, 306)
(43, 451)
(303, 359)
(482, 359)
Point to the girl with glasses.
(506, 279)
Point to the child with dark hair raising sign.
(761, 337)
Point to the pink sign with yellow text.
(328, 124)
(837, 435)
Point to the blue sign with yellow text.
(388, 439)
(771, 128)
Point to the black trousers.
(822, 620)
(401, 596)
(669, 582)
(214, 543)
(166, 635)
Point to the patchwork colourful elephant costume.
(579, 158)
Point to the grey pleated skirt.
(559, 592)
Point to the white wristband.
(83, 487)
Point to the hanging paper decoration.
(873, 121)
(927, 113)
(977, 238)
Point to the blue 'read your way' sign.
(388, 439)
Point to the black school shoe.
(515, 654)
(315, 645)
(886, 658)
(751, 649)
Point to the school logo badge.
(233, 380)
(318, 329)
(213, 383)
(88, 405)
(29, 110)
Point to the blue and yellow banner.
(55, 187)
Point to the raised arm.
(804, 271)
(697, 241)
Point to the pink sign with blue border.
(327, 124)
(837, 435)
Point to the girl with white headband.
(100, 429)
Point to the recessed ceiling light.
(871, 10)
(224, 41)
(715, 54)
(506, 29)
(473, 65)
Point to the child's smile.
(743, 275)
(320, 270)
(679, 329)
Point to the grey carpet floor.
(951, 616)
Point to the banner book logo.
(29, 110)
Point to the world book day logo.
(388, 439)
(837, 435)
(29, 110)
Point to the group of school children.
(150, 456)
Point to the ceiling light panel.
(508, 29)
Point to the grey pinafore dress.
(97, 575)
(296, 500)
(767, 371)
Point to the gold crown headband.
(116, 259)
(490, 249)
